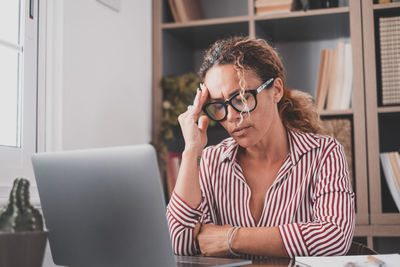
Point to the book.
(337, 84)
(174, 10)
(264, 3)
(347, 87)
(396, 168)
(322, 63)
(273, 9)
(189, 10)
(331, 76)
(390, 178)
(174, 162)
(389, 260)
(323, 79)
(341, 130)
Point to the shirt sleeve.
(182, 219)
(332, 228)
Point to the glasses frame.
(254, 92)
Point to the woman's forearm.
(259, 241)
(187, 184)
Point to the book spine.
(319, 80)
(347, 78)
(270, 3)
(174, 11)
(332, 78)
(389, 176)
(180, 8)
(324, 76)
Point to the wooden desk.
(274, 262)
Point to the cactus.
(19, 215)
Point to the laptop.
(106, 207)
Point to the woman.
(276, 187)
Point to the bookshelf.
(383, 127)
(299, 37)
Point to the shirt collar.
(230, 152)
(299, 144)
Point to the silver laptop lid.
(104, 207)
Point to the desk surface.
(274, 262)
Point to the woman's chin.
(244, 141)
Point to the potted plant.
(22, 239)
(178, 92)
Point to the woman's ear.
(277, 88)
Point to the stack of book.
(387, 1)
(391, 169)
(186, 10)
(269, 6)
(334, 85)
(389, 37)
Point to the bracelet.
(229, 238)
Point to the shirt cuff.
(293, 241)
(183, 213)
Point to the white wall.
(94, 78)
(106, 74)
(98, 76)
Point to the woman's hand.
(212, 240)
(194, 126)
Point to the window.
(18, 88)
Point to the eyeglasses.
(218, 110)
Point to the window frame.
(16, 161)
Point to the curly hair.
(296, 108)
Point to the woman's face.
(222, 82)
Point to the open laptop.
(105, 207)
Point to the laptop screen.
(104, 207)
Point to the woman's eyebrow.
(222, 99)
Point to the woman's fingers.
(196, 103)
(203, 123)
(200, 100)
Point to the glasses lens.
(246, 104)
(216, 111)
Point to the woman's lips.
(240, 131)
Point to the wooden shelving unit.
(299, 37)
(382, 127)
(326, 113)
(385, 6)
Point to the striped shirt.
(311, 200)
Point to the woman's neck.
(274, 146)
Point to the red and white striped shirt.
(311, 200)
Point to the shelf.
(386, 6)
(211, 10)
(392, 109)
(183, 47)
(344, 112)
(201, 36)
(204, 22)
(298, 26)
(295, 14)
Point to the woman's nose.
(232, 115)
